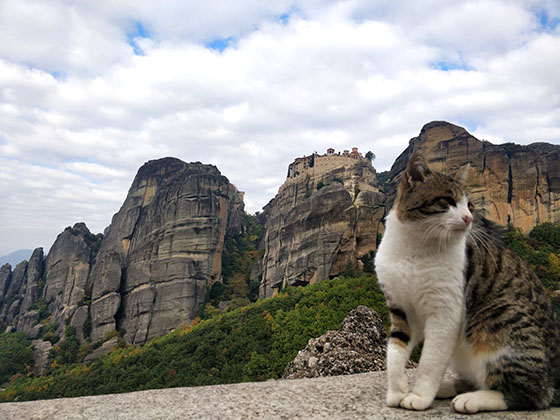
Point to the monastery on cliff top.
(325, 162)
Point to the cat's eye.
(447, 201)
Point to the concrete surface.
(359, 397)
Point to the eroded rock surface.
(68, 266)
(162, 249)
(41, 350)
(518, 185)
(324, 218)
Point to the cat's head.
(429, 198)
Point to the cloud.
(89, 91)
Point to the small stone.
(312, 362)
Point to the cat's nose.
(467, 219)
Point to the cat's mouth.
(464, 225)
(461, 228)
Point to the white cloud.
(80, 113)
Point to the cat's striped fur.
(477, 306)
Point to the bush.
(541, 249)
(15, 354)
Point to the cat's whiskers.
(436, 232)
(479, 236)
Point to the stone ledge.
(359, 397)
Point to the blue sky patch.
(285, 17)
(546, 22)
(219, 44)
(138, 32)
(59, 75)
(450, 65)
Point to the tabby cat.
(477, 306)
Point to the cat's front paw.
(416, 402)
(485, 400)
(394, 398)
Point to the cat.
(477, 307)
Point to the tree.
(370, 156)
(15, 354)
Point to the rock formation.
(162, 249)
(68, 264)
(360, 346)
(5, 279)
(324, 218)
(41, 351)
(148, 275)
(60, 279)
(19, 290)
(34, 279)
(517, 185)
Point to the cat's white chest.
(416, 272)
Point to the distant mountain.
(16, 257)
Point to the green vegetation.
(370, 156)
(15, 355)
(383, 179)
(251, 343)
(541, 248)
(512, 148)
(42, 308)
(240, 254)
(67, 351)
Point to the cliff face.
(19, 290)
(518, 185)
(324, 218)
(60, 279)
(162, 249)
(67, 270)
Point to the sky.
(90, 90)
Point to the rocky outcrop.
(34, 279)
(103, 350)
(324, 218)
(19, 290)
(60, 279)
(360, 346)
(18, 281)
(5, 279)
(162, 249)
(14, 284)
(513, 184)
(41, 350)
(68, 266)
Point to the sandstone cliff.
(68, 266)
(60, 280)
(324, 218)
(162, 249)
(19, 290)
(518, 185)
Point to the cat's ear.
(417, 168)
(462, 174)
